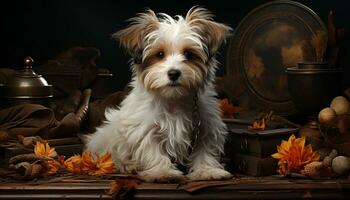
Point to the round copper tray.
(268, 40)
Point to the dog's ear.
(212, 33)
(132, 37)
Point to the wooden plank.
(56, 187)
(232, 194)
(241, 188)
(53, 196)
(158, 186)
(236, 185)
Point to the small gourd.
(340, 164)
(340, 105)
(327, 116)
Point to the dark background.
(43, 29)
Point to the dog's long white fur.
(151, 130)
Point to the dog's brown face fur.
(173, 57)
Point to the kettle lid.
(27, 84)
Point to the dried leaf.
(261, 124)
(105, 165)
(27, 170)
(228, 110)
(51, 167)
(97, 166)
(43, 150)
(30, 141)
(122, 187)
(74, 164)
(30, 157)
(36, 171)
(258, 125)
(23, 168)
(88, 162)
(293, 155)
(85, 164)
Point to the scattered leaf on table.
(43, 149)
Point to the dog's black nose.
(174, 74)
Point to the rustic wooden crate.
(250, 152)
(258, 143)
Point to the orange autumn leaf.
(60, 159)
(44, 150)
(105, 165)
(88, 163)
(227, 109)
(85, 164)
(74, 164)
(52, 167)
(293, 155)
(258, 125)
(97, 166)
(121, 187)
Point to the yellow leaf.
(97, 166)
(44, 150)
(105, 165)
(277, 155)
(74, 164)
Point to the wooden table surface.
(237, 188)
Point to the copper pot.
(26, 87)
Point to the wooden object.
(259, 143)
(253, 165)
(249, 152)
(241, 188)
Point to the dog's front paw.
(209, 173)
(162, 175)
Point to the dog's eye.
(160, 54)
(188, 55)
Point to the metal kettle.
(26, 87)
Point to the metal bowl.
(313, 89)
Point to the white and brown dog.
(173, 69)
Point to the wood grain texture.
(236, 188)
